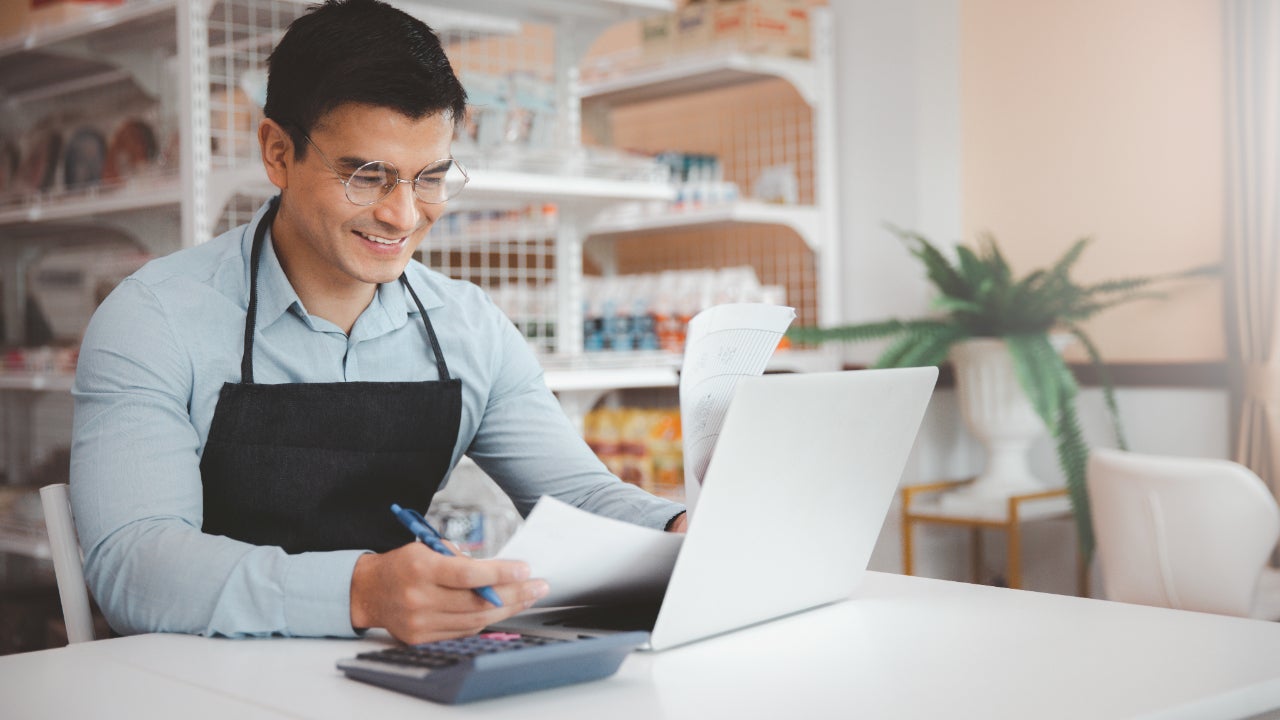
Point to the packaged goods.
(694, 26)
(84, 159)
(132, 150)
(47, 13)
(774, 27)
(658, 36)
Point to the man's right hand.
(420, 596)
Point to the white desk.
(904, 647)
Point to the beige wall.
(1102, 118)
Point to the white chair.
(68, 565)
(1185, 533)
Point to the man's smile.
(381, 240)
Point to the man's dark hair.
(358, 51)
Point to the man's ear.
(277, 152)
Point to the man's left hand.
(679, 524)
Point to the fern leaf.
(999, 265)
(892, 355)
(1073, 458)
(931, 348)
(972, 269)
(1038, 379)
(1120, 285)
(1062, 268)
(938, 268)
(949, 304)
(812, 335)
(1104, 377)
(1086, 310)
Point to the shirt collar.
(426, 293)
(275, 294)
(391, 308)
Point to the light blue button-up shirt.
(151, 365)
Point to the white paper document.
(588, 559)
(724, 344)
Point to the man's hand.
(419, 595)
(679, 524)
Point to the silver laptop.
(802, 477)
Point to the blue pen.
(422, 530)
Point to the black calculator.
(491, 664)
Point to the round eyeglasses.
(438, 182)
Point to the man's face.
(329, 244)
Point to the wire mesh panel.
(758, 139)
(509, 74)
(238, 211)
(512, 123)
(241, 36)
(761, 138)
(509, 253)
(750, 129)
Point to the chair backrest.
(68, 565)
(1184, 533)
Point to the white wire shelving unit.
(746, 136)
(197, 61)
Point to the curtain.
(1252, 252)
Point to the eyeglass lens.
(436, 183)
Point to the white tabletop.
(903, 647)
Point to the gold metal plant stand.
(1020, 509)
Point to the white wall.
(1103, 118)
(900, 157)
(898, 136)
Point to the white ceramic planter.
(1000, 416)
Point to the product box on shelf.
(43, 359)
(14, 18)
(694, 25)
(73, 153)
(642, 446)
(774, 27)
(658, 36)
(21, 16)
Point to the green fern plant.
(978, 296)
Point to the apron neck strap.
(441, 367)
(251, 317)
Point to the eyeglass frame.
(346, 181)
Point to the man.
(247, 410)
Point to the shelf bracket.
(17, 257)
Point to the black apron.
(316, 466)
